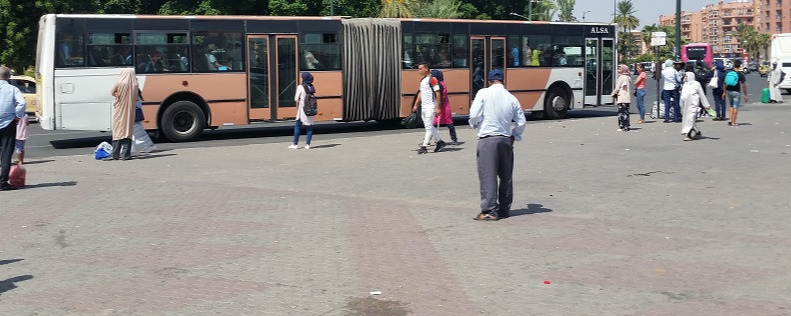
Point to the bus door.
(486, 54)
(272, 76)
(599, 63)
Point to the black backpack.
(311, 105)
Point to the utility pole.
(332, 8)
(677, 49)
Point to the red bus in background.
(697, 51)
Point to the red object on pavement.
(546, 281)
(17, 176)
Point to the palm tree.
(566, 7)
(543, 10)
(646, 33)
(625, 15)
(763, 42)
(438, 9)
(396, 9)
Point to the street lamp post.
(519, 15)
(583, 15)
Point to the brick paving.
(636, 223)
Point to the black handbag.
(139, 114)
(412, 121)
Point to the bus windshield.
(696, 53)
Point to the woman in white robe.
(774, 78)
(692, 96)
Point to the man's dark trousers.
(495, 156)
(7, 141)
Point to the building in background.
(716, 24)
(775, 16)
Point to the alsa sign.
(600, 30)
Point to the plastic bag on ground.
(103, 150)
(141, 142)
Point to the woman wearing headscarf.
(302, 119)
(719, 101)
(775, 78)
(125, 93)
(623, 95)
(444, 117)
(692, 96)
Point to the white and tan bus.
(199, 72)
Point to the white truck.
(781, 54)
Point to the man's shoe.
(422, 150)
(440, 145)
(7, 187)
(665, 121)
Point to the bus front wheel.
(556, 104)
(183, 121)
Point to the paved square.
(637, 223)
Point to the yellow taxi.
(764, 69)
(28, 87)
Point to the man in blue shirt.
(12, 108)
(491, 113)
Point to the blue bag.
(103, 150)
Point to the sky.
(648, 11)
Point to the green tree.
(627, 46)
(396, 9)
(565, 8)
(763, 41)
(543, 10)
(439, 9)
(625, 15)
(19, 27)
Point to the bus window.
(161, 52)
(460, 51)
(217, 51)
(433, 49)
(407, 60)
(567, 51)
(70, 50)
(513, 51)
(541, 54)
(319, 51)
(109, 49)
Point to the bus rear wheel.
(556, 104)
(183, 121)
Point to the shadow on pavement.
(51, 184)
(2, 262)
(325, 146)
(8, 284)
(151, 156)
(38, 162)
(531, 209)
(88, 142)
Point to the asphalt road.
(42, 143)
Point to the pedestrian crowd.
(684, 95)
(495, 114)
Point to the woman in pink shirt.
(639, 92)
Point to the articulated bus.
(199, 72)
(697, 52)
